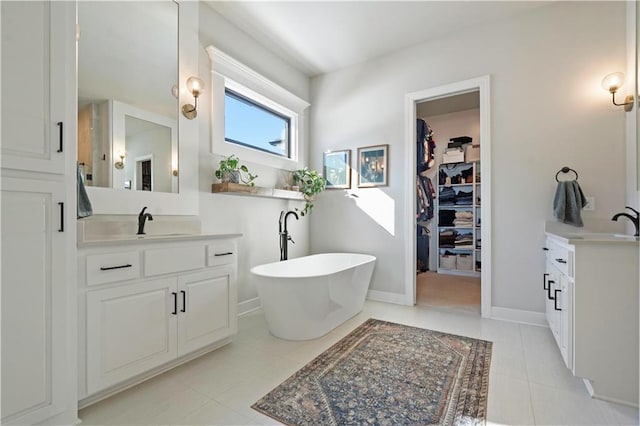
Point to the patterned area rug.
(387, 374)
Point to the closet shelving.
(463, 256)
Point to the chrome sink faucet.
(635, 220)
(284, 234)
(142, 218)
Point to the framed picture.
(372, 166)
(336, 169)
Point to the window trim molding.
(227, 72)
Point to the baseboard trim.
(388, 297)
(248, 306)
(593, 394)
(519, 316)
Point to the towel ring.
(566, 170)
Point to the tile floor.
(528, 382)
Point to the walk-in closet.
(448, 202)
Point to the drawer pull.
(555, 300)
(184, 301)
(61, 140)
(545, 249)
(223, 254)
(544, 281)
(175, 303)
(561, 260)
(61, 229)
(108, 268)
(549, 290)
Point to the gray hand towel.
(84, 205)
(568, 202)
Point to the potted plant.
(310, 183)
(230, 170)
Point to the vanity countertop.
(113, 240)
(573, 235)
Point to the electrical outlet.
(591, 204)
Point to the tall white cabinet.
(38, 213)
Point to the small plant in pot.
(310, 183)
(230, 170)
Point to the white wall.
(255, 218)
(548, 110)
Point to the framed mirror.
(128, 95)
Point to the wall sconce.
(195, 86)
(612, 83)
(120, 164)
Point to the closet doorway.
(451, 246)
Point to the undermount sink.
(93, 231)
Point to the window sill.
(255, 191)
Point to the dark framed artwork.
(336, 169)
(372, 166)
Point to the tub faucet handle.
(291, 239)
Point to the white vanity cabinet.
(150, 306)
(558, 296)
(591, 291)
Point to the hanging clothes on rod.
(425, 193)
(426, 146)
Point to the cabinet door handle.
(108, 268)
(61, 229)
(555, 300)
(60, 128)
(223, 254)
(175, 303)
(545, 249)
(544, 281)
(184, 301)
(549, 290)
(561, 260)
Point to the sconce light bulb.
(195, 86)
(612, 82)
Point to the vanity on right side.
(591, 285)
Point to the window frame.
(228, 73)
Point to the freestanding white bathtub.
(307, 297)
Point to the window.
(250, 124)
(253, 117)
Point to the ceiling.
(318, 37)
(448, 104)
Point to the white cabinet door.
(550, 285)
(565, 319)
(130, 329)
(34, 297)
(38, 73)
(207, 304)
